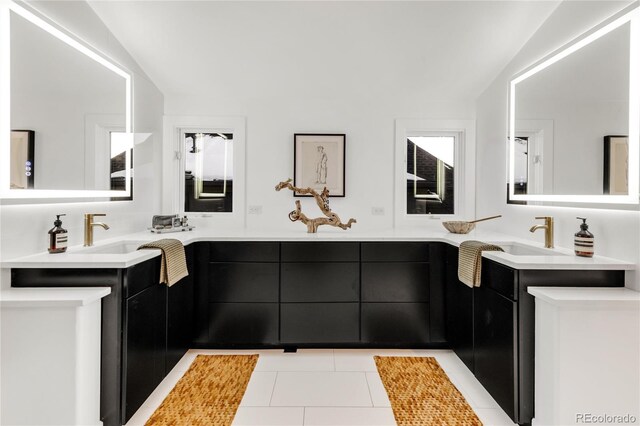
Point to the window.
(430, 174)
(434, 170)
(204, 168)
(208, 172)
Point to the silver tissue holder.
(169, 223)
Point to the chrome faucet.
(548, 230)
(88, 227)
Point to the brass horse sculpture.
(322, 200)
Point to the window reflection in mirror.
(430, 174)
(208, 166)
(121, 160)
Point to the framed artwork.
(616, 165)
(22, 154)
(319, 161)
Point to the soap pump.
(583, 240)
(57, 237)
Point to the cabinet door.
(144, 341)
(320, 323)
(180, 314)
(395, 324)
(459, 311)
(243, 324)
(495, 325)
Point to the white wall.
(24, 228)
(338, 82)
(617, 233)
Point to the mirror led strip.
(632, 17)
(6, 7)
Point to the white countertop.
(51, 297)
(77, 257)
(587, 296)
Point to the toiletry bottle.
(57, 237)
(583, 240)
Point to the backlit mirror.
(574, 118)
(69, 106)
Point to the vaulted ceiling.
(451, 49)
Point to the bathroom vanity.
(337, 290)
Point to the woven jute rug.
(209, 393)
(421, 394)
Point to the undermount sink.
(120, 247)
(517, 249)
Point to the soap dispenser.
(57, 237)
(583, 240)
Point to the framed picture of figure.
(319, 162)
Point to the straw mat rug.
(209, 393)
(421, 394)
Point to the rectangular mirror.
(76, 104)
(574, 120)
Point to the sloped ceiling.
(452, 50)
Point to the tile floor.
(325, 387)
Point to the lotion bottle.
(583, 240)
(58, 237)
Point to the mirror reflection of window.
(521, 164)
(430, 174)
(208, 165)
(121, 160)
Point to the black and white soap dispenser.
(58, 237)
(583, 240)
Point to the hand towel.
(173, 265)
(470, 261)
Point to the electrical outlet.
(255, 209)
(377, 211)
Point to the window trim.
(464, 171)
(173, 167)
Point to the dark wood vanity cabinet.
(491, 327)
(237, 294)
(459, 310)
(146, 327)
(320, 294)
(402, 294)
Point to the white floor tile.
(321, 389)
(378, 392)
(316, 416)
(354, 360)
(303, 360)
(259, 389)
(493, 417)
(269, 416)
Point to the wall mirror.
(75, 106)
(574, 120)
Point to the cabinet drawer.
(320, 282)
(140, 276)
(395, 282)
(395, 252)
(324, 323)
(243, 282)
(243, 324)
(253, 251)
(500, 278)
(403, 324)
(320, 252)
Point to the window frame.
(464, 167)
(173, 164)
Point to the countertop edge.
(51, 297)
(587, 297)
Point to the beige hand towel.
(173, 265)
(470, 261)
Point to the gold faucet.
(88, 227)
(548, 230)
